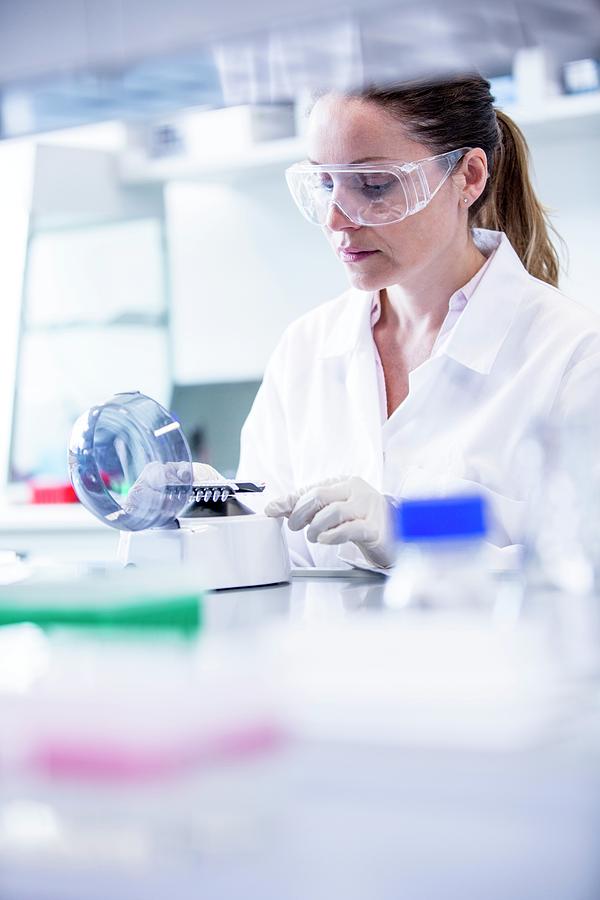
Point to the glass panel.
(95, 323)
(109, 273)
(64, 372)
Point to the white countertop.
(47, 516)
(354, 814)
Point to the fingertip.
(184, 474)
(297, 523)
(278, 509)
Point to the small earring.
(465, 199)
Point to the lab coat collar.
(352, 327)
(483, 325)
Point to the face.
(346, 130)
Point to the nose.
(337, 220)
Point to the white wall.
(243, 264)
(566, 162)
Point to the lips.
(354, 254)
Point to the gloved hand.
(149, 486)
(339, 510)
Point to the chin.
(368, 281)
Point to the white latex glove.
(155, 476)
(339, 510)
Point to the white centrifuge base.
(225, 552)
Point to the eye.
(375, 185)
(324, 181)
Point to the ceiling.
(70, 62)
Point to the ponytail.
(509, 204)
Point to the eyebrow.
(353, 162)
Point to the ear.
(471, 175)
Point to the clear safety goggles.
(373, 193)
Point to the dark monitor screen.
(212, 416)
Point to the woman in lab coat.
(426, 374)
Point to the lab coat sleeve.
(575, 403)
(265, 452)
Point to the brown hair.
(459, 112)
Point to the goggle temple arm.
(448, 161)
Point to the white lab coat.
(520, 351)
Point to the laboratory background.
(240, 730)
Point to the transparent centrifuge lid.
(130, 463)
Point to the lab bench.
(360, 810)
(57, 531)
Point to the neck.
(421, 303)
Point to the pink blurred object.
(114, 762)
